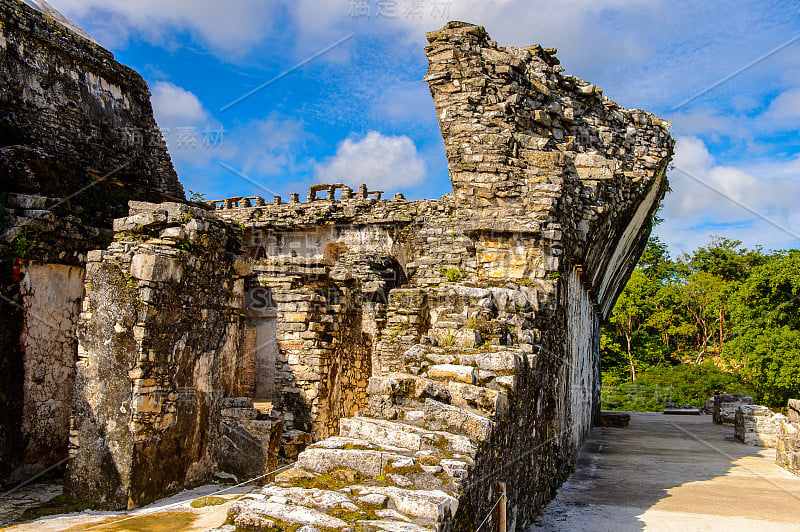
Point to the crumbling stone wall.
(787, 445)
(159, 343)
(758, 425)
(77, 141)
(495, 337)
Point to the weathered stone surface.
(794, 410)
(368, 462)
(787, 448)
(435, 505)
(257, 510)
(727, 404)
(758, 425)
(452, 372)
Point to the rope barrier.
(490, 514)
(25, 483)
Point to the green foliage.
(736, 308)
(686, 384)
(196, 196)
(452, 274)
(22, 245)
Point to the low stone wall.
(787, 450)
(794, 410)
(726, 405)
(758, 425)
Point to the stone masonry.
(410, 357)
(758, 425)
(787, 450)
(486, 368)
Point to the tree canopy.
(724, 316)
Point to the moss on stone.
(202, 502)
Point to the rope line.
(490, 513)
(25, 483)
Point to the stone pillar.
(294, 197)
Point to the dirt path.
(674, 473)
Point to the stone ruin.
(758, 425)
(409, 358)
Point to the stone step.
(452, 372)
(319, 499)
(485, 400)
(347, 441)
(396, 526)
(497, 361)
(368, 462)
(474, 426)
(392, 433)
(435, 505)
(253, 512)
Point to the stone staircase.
(400, 464)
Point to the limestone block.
(452, 372)
(794, 410)
(257, 510)
(367, 462)
(476, 427)
(315, 498)
(149, 267)
(428, 504)
(137, 222)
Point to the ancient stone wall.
(77, 141)
(434, 347)
(486, 369)
(51, 295)
(758, 425)
(65, 99)
(159, 343)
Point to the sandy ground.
(680, 473)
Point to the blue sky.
(360, 112)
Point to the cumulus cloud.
(173, 105)
(694, 211)
(381, 161)
(784, 110)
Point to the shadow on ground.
(673, 473)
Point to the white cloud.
(173, 105)
(382, 162)
(784, 110)
(692, 211)
(231, 27)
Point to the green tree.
(765, 311)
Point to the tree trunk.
(630, 358)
